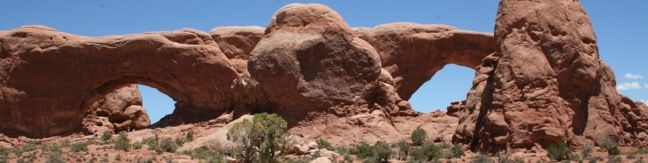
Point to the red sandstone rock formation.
(546, 83)
(538, 81)
(120, 110)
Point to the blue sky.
(620, 27)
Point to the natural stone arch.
(187, 65)
(413, 53)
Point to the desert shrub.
(457, 151)
(3, 151)
(382, 151)
(152, 143)
(206, 154)
(54, 157)
(559, 151)
(106, 136)
(122, 142)
(79, 146)
(323, 144)
(138, 145)
(610, 146)
(379, 152)
(168, 145)
(189, 136)
(426, 152)
(403, 149)
(30, 146)
(260, 137)
(482, 158)
(3, 154)
(419, 136)
(587, 151)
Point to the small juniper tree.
(259, 138)
(419, 136)
(558, 152)
(404, 149)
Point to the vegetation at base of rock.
(55, 157)
(79, 147)
(189, 136)
(122, 142)
(419, 136)
(403, 149)
(559, 151)
(610, 146)
(106, 136)
(323, 144)
(457, 151)
(379, 152)
(169, 145)
(426, 152)
(260, 138)
(206, 154)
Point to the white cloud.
(633, 76)
(628, 86)
(644, 101)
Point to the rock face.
(413, 53)
(545, 84)
(120, 110)
(309, 60)
(49, 79)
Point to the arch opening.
(447, 85)
(156, 103)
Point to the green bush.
(261, 138)
(54, 157)
(379, 152)
(206, 154)
(30, 146)
(403, 149)
(122, 142)
(168, 145)
(457, 151)
(419, 136)
(190, 136)
(426, 152)
(106, 136)
(610, 146)
(3, 154)
(558, 152)
(137, 145)
(323, 144)
(79, 146)
(152, 143)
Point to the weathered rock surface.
(310, 60)
(413, 53)
(120, 110)
(546, 83)
(49, 79)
